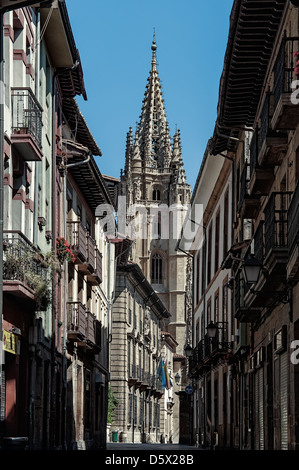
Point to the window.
(209, 318)
(141, 414)
(216, 308)
(197, 278)
(156, 274)
(156, 234)
(225, 225)
(217, 230)
(209, 267)
(87, 398)
(156, 195)
(225, 312)
(130, 414)
(197, 332)
(129, 366)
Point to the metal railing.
(99, 265)
(21, 260)
(284, 68)
(77, 238)
(293, 220)
(276, 221)
(90, 331)
(244, 182)
(91, 246)
(26, 114)
(76, 318)
(259, 241)
(254, 151)
(264, 121)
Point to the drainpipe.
(37, 94)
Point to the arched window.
(156, 195)
(156, 273)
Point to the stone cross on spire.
(154, 48)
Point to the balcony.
(91, 255)
(243, 312)
(93, 330)
(285, 113)
(248, 205)
(261, 176)
(208, 351)
(132, 375)
(271, 244)
(275, 232)
(196, 361)
(96, 277)
(83, 327)
(272, 144)
(26, 136)
(77, 237)
(25, 276)
(293, 237)
(76, 321)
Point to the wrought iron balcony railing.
(284, 68)
(276, 221)
(77, 237)
(91, 255)
(293, 220)
(26, 114)
(76, 320)
(25, 274)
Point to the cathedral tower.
(154, 177)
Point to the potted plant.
(64, 251)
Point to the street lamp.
(251, 269)
(212, 330)
(177, 378)
(188, 350)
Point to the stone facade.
(248, 400)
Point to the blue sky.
(114, 40)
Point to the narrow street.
(151, 447)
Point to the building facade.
(56, 303)
(257, 134)
(138, 319)
(209, 369)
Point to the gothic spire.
(153, 133)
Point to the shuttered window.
(259, 410)
(283, 385)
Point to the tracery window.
(156, 271)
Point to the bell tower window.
(156, 195)
(157, 265)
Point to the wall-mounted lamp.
(188, 350)
(212, 330)
(251, 269)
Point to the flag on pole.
(168, 380)
(161, 373)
